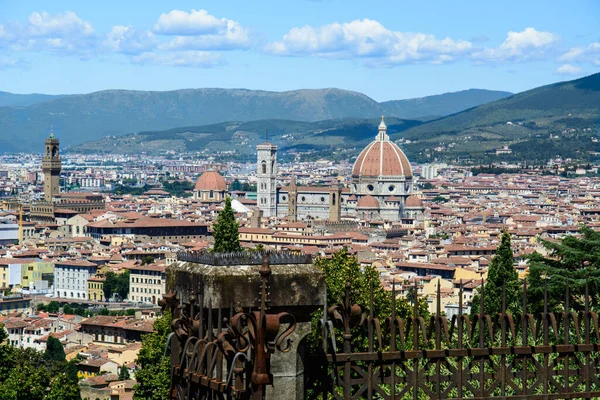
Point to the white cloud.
(62, 33)
(59, 25)
(370, 40)
(198, 30)
(589, 54)
(568, 69)
(529, 44)
(10, 62)
(199, 59)
(195, 22)
(127, 40)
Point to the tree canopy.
(502, 276)
(116, 284)
(574, 259)
(153, 377)
(226, 231)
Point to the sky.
(385, 49)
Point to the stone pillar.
(296, 287)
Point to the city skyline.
(385, 50)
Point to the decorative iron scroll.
(544, 356)
(229, 359)
(244, 258)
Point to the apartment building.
(147, 283)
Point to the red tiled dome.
(367, 201)
(382, 157)
(413, 201)
(211, 180)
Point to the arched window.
(263, 166)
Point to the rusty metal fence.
(477, 356)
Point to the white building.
(71, 278)
(147, 283)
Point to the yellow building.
(34, 273)
(96, 288)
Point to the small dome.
(367, 201)
(413, 201)
(211, 180)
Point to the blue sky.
(385, 49)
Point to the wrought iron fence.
(213, 357)
(477, 356)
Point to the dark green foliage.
(440, 199)
(116, 283)
(147, 260)
(55, 351)
(27, 374)
(501, 274)
(574, 260)
(225, 231)
(104, 311)
(67, 309)
(124, 374)
(153, 377)
(53, 307)
(179, 188)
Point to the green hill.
(337, 138)
(558, 119)
(442, 104)
(85, 117)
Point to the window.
(322, 199)
(263, 167)
(391, 188)
(333, 199)
(303, 198)
(370, 188)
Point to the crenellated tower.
(51, 166)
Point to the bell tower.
(292, 198)
(51, 166)
(266, 172)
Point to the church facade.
(381, 187)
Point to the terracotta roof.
(414, 201)
(367, 201)
(382, 158)
(211, 180)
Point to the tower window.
(303, 198)
(322, 199)
(263, 166)
(391, 188)
(370, 188)
(333, 199)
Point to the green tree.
(25, 382)
(67, 309)
(147, 260)
(501, 274)
(55, 352)
(153, 377)
(573, 259)
(235, 186)
(116, 284)
(53, 307)
(124, 373)
(104, 311)
(226, 231)
(62, 387)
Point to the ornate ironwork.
(244, 258)
(229, 359)
(477, 356)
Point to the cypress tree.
(501, 274)
(225, 231)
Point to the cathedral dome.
(367, 201)
(211, 180)
(413, 201)
(382, 157)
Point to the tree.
(153, 377)
(55, 351)
(575, 260)
(116, 284)
(62, 387)
(124, 373)
(226, 231)
(147, 260)
(67, 309)
(501, 274)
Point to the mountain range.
(538, 124)
(26, 119)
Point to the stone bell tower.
(266, 172)
(51, 166)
